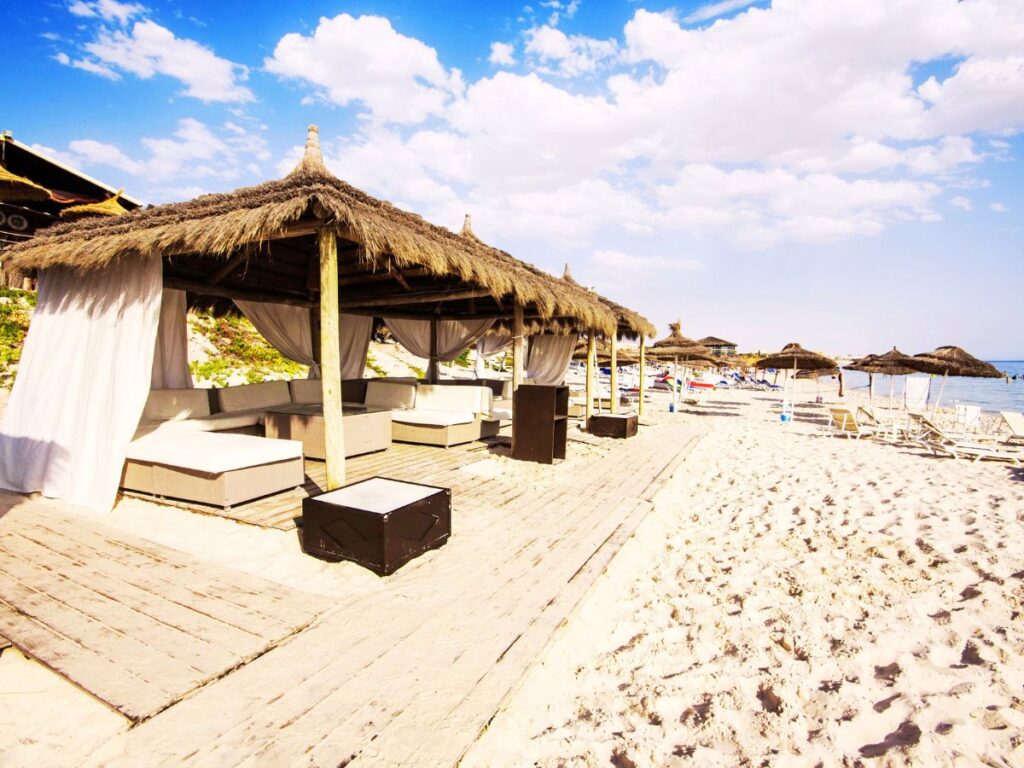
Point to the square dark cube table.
(379, 523)
(613, 425)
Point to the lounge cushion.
(306, 390)
(500, 414)
(439, 397)
(168, 404)
(210, 452)
(390, 394)
(430, 418)
(252, 396)
(215, 422)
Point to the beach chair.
(1015, 422)
(967, 417)
(844, 422)
(941, 443)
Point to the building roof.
(714, 341)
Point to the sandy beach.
(793, 600)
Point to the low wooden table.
(379, 523)
(613, 425)
(366, 429)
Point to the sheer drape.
(453, 336)
(489, 345)
(549, 357)
(82, 382)
(288, 330)
(170, 357)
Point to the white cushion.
(378, 494)
(216, 422)
(210, 452)
(390, 394)
(166, 404)
(500, 414)
(433, 418)
(251, 396)
(306, 390)
(439, 397)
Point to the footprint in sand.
(906, 735)
(888, 673)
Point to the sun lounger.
(211, 467)
(844, 422)
(1015, 422)
(941, 443)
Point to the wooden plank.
(330, 360)
(484, 606)
(138, 625)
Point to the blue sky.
(843, 174)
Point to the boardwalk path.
(136, 624)
(412, 674)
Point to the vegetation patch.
(15, 313)
(240, 352)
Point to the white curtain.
(354, 342)
(549, 357)
(489, 345)
(170, 358)
(288, 330)
(453, 336)
(82, 383)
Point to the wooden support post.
(432, 362)
(330, 357)
(588, 410)
(518, 348)
(640, 405)
(314, 333)
(614, 375)
(675, 380)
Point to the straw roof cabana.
(18, 188)
(259, 244)
(631, 325)
(675, 345)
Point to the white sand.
(794, 600)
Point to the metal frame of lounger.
(941, 444)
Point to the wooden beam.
(229, 266)
(613, 383)
(517, 346)
(643, 349)
(432, 363)
(330, 356)
(399, 300)
(220, 291)
(402, 281)
(588, 409)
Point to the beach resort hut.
(719, 347)
(310, 259)
(629, 325)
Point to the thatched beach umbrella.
(892, 363)
(952, 361)
(676, 346)
(796, 358)
(14, 187)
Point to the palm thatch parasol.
(816, 373)
(14, 187)
(952, 361)
(675, 346)
(796, 357)
(109, 207)
(892, 363)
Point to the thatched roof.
(794, 356)
(954, 361)
(892, 363)
(631, 324)
(218, 226)
(675, 345)
(714, 341)
(109, 207)
(15, 187)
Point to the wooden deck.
(422, 463)
(136, 624)
(411, 674)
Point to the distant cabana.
(718, 347)
(310, 259)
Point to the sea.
(992, 395)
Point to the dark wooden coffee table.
(613, 425)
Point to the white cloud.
(714, 10)
(502, 55)
(172, 164)
(150, 49)
(999, 207)
(620, 262)
(568, 55)
(397, 78)
(94, 67)
(108, 10)
(961, 202)
(62, 58)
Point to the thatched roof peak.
(467, 229)
(312, 161)
(567, 274)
